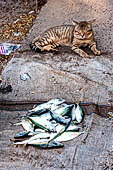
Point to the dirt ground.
(16, 17)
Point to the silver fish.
(67, 111)
(78, 114)
(39, 137)
(21, 135)
(66, 136)
(42, 123)
(46, 116)
(56, 101)
(46, 145)
(39, 108)
(63, 110)
(73, 113)
(58, 109)
(59, 119)
(47, 105)
(37, 113)
(61, 131)
(45, 137)
(24, 134)
(72, 127)
(27, 125)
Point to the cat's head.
(83, 29)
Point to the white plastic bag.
(7, 48)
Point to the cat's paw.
(85, 55)
(97, 52)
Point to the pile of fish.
(49, 124)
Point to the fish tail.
(20, 143)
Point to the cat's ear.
(92, 21)
(75, 22)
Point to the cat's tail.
(34, 47)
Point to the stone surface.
(89, 151)
(64, 11)
(89, 80)
(65, 74)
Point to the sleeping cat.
(76, 35)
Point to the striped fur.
(75, 36)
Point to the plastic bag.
(7, 48)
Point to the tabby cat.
(76, 35)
